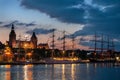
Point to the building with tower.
(34, 40)
(12, 37)
(14, 43)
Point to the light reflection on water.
(73, 70)
(63, 72)
(28, 75)
(95, 71)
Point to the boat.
(102, 60)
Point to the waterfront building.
(14, 43)
(12, 37)
(43, 45)
(7, 54)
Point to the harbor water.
(87, 71)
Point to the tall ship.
(103, 50)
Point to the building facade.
(12, 37)
(13, 43)
(43, 45)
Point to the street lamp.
(29, 56)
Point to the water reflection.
(73, 70)
(28, 75)
(5, 75)
(103, 65)
(63, 71)
(94, 71)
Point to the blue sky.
(81, 18)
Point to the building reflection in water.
(5, 72)
(73, 70)
(28, 75)
(68, 71)
(94, 71)
(10, 72)
(63, 71)
(52, 72)
(87, 67)
(38, 72)
(103, 65)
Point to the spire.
(12, 37)
(12, 26)
(33, 35)
(12, 30)
(34, 40)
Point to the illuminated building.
(12, 37)
(21, 44)
(43, 45)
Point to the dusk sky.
(81, 18)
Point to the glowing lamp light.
(25, 45)
(7, 53)
(29, 54)
(117, 58)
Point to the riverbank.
(40, 62)
(53, 62)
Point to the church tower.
(34, 40)
(12, 37)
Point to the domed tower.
(12, 37)
(34, 40)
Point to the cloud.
(97, 15)
(55, 9)
(40, 31)
(87, 4)
(1, 22)
(102, 16)
(18, 23)
(31, 24)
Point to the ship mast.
(64, 47)
(63, 40)
(102, 43)
(73, 45)
(108, 43)
(19, 47)
(113, 46)
(95, 42)
(53, 43)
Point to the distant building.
(1, 45)
(43, 45)
(24, 44)
(12, 37)
(21, 44)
